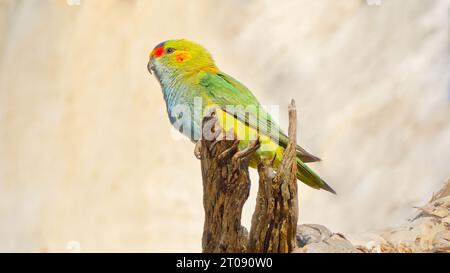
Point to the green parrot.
(190, 80)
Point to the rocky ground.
(427, 231)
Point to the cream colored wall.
(86, 150)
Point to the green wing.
(226, 91)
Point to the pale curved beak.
(150, 65)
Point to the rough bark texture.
(274, 222)
(226, 186)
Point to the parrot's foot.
(198, 149)
(216, 137)
(247, 152)
(220, 135)
(272, 162)
(228, 152)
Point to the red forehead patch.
(158, 51)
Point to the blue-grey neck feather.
(177, 95)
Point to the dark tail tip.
(327, 187)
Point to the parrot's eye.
(170, 50)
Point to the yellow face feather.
(182, 55)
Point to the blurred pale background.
(86, 152)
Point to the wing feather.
(230, 94)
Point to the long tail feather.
(310, 178)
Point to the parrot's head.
(175, 57)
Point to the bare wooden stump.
(274, 222)
(226, 186)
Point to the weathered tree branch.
(274, 222)
(226, 186)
